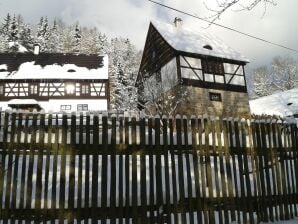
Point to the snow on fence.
(124, 168)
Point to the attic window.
(208, 47)
(71, 70)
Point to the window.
(33, 89)
(212, 67)
(65, 107)
(85, 89)
(70, 88)
(82, 107)
(1, 89)
(215, 97)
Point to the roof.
(193, 41)
(283, 104)
(53, 66)
(22, 102)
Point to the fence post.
(173, 169)
(180, 168)
(195, 147)
(165, 153)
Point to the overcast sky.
(130, 18)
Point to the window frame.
(81, 89)
(83, 107)
(66, 107)
(37, 89)
(2, 87)
(65, 88)
(213, 94)
(212, 67)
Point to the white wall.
(55, 105)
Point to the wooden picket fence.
(127, 168)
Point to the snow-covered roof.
(22, 102)
(193, 40)
(283, 104)
(20, 48)
(53, 66)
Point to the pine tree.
(77, 39)
(25, 36)
(54, 42)
(14, 30)
(6, 25)
(4, 34)
(43, 34)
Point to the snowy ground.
(284, 104)
(294, 221)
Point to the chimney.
(178, 22)
(36, 49)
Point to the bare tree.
(224, 5)
(281, 76)
(263, 81)
(162, 93)
(285, 71)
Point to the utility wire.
(222, 26)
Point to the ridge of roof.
(188, 40)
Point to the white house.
(54, 82)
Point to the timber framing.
(158, 52)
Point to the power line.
(222, 26)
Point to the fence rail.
(134, 169)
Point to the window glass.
(209, 77)
(232, 68)
(1, 89)
(212, 67)
(168, 75)
(238, 80)
(190, 74)
(33, 89)
(219, 78)
(215, 97)
(65, 107)
(85, 89)
(192, 62)
(82, 107)
(70, 88)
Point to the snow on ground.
(293, 221)
(193, 40)
(284, 104)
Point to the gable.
(157, 52)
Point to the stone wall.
(234, 104)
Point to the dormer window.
(207, 46)
(71, 70)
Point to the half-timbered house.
(210, 71)
(54, 82)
